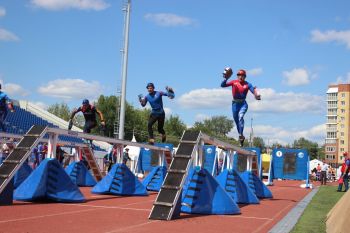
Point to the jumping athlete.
(157, 114)
(240, 89)
(5, 104)
(89, 111)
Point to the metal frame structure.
(167, 205)
(53, 140)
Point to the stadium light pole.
(124, 71)
(251, 133)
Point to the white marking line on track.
(44, 216)
(98, 196)
(109, 207)
(238, 216)
(133, 226)
(263, 225)
(138, 202)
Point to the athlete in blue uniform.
(240, 89)
(5, 104)
(157, 114)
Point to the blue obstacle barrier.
(120, 181)
(49, 181)
(80, 175)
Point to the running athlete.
(240, 89)
(89, 111)
(5, 104)
(157, 114)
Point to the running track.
(107, 214)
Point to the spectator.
(112, 156)
(42, 149)
(59, 154)
(5, 104)
(36, 156)
(126, 156)
(344, 173)
(318, 173)
(3, 154)
(324, 170)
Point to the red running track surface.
(107, 213)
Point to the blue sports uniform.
(4, 101)
(157, 113)
(239, 104)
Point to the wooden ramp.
(20, 154)
(90, 158)
(168, 202)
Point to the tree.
(216, 126)
(311, 147)
(174, 128)
(136, 123)
(107, 105)
(60, 110)
(259, 142)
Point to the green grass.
(314, 216)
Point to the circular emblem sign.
(279, 153)
(209, 150)
(301, 155)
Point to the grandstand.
(27, 114)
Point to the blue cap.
(85, 101)
(150, 85)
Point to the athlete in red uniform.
(240, 89)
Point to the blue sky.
(67, 50)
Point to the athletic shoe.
(241, 140)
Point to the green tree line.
(136, 120)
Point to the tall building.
(338, 123)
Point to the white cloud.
(70, 4)
(41, 105)
(284, 136)
(205, 98)
(13, 89)
(342, 37)
(296, 77)
(7, 35)
(287, 102)
(200, 117)
(255, 71)
(272, 101)
(71, 89)
(168, 111)
(2, 11)
(169, 20)
(341, 79)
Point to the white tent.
(134, 153)
(313, 163)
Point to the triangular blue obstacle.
(155, 178)
(120, 181)
(235, 186)
(80, 175)
(202, 194)
(22, 174)
(49, 181)
(255, 184)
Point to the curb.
(289, 221)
